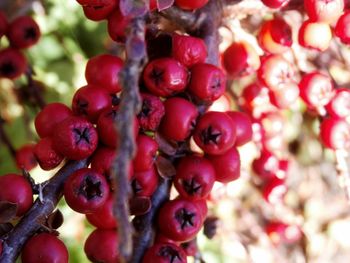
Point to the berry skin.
(266, 166)
(165, 77)
(117, 24)
(146, 153)
(281, 233)
(100, 11)
(103, 70)
(188, 50)
(215, 133)
(190, 5)
(339, 106)
(47, 157)
(102, 246)
(165, 253)
(275, 3)
(227, 165)
(179, 119)
(243, 123)
(152, 112)
(3, 24)
(86, 190)
(25, 158)
(145, 183)
(16, 189)
(285, 95)
(103, 217)
(208, 82)
(12, 63)
(90, 101)
(315, 35)
(335, 133)
(51, 115)
(240, 59)
(341, 28)
(23, 32)
(274, 191)
(327, 11)
(44, 248)
(195, 177)
(180, 220)
(75, 138)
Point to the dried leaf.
(140, 205)
(165, 167)
(133, 8)
(55, 220)
(164, 4)
(7, 211)
(165, 146)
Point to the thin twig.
(6, 140)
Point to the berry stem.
(5, 139)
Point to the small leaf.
(55, 220)
(140, 205)
(164, 4)
(165, 167)
(133, 8)
(165, 146)
(8, 211)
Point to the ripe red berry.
(165, 253)
(152, 112)
(339, 105)
(315, 35)
(89, 101)
(275, 3)
(190, 248)
(208, 82)
(179, 119)
(23, 32)
(215, 133)
(100, 11)
(144, 183)
(117, 24)
(25, 158)
(146, 153)
(46, 155)
(16, 189)
(202, 205)
(243, 124)
(274, 191)
(194, 177)
(191, 5)
(281, 233)
(103, 217)
(180, 220)
(335, 133)
(86, 190)
(227, 165)
(165, 77)
(75, 138)
(188, 50)
(240, 59)
(341, 28)
(102, 246)
(12, 63)
(327, 11)
(51, 115)
(44, 248)
(103, 70)
(3, 24)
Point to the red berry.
(275, 3)
(160, 238)
(208, 82)
(165, 77)
(90, 101)
(152, 112)
(103, 217)
(227, 165)
(25, 158)
(215, 133)
(243, 123)
(179, 119)
(190, 247)
(12, 63)
(23, 32)
(165, 253)
(86, 190)
(194, 177)
(145, 183)
(339, 105)
(100, 11)
(180, 220)
(202, 205)
(3, 24)
(117, 24)
(103, 71)
(16, 189)
(51, 115)
(240, 59)
(315, 35)
(316, 89)
(46, 155)
(327, 11)
(335, 133)
(341, 28)
(102, 246)
(190, 5)
(152, 5)
(146, 153)
(44, 248)
(285, 95)
(188, 50)
(274, 191)
(255, 99)
(75, 138)
(266, 166)
(281, 233)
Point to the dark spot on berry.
(82, 135)
(185, 218)
(7, 68)
(170, 253)
(210, 136)
(192, 187)
(90, 189)
(30, 33)
(146, 109)
(82, 106)
(216, 83)
(157, 76)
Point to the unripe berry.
(339, 105)
(274, 191)
(315, 35)
(335, 133)
(275, 3)
(281, 233)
